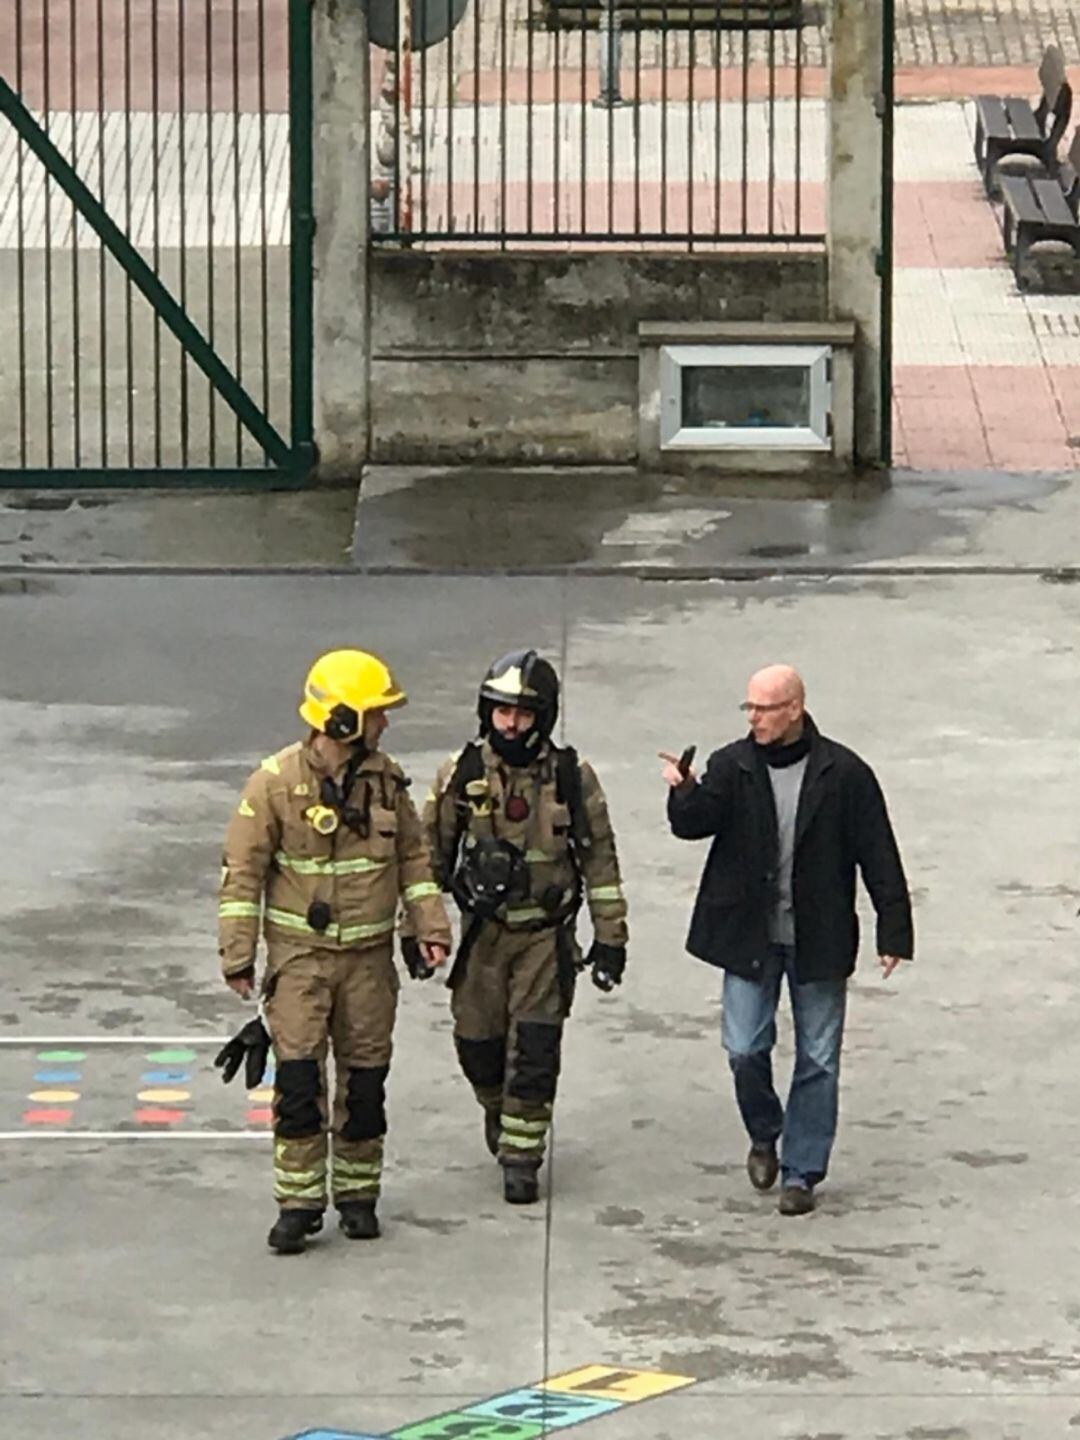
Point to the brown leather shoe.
(796, 1200)
(762, 1166)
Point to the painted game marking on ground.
(125, 1087)
(555, 1404)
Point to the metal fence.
(651, 123)
(154, 160)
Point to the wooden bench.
(676, 14)
(1042, 209)
(1009, 126)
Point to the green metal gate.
(156, 242)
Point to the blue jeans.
(807, 1128)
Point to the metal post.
(610, 58)
(885, 262)
(302, 234)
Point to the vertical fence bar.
(663, 115)
(476, 119)
(76, 318)
(181, 96)
(20, 241)
(50, 388)
(745, 157)
(772, 118)
(423, 139)
(637, 120)
(530, 58)
(451, 96)
(238, 254)
(718, 148)
(615, 85)
(798, 123)
(264, 236)
(690, 100)
(503, 123)
(301, 256)
(129, 329)
(885, 266)
(103, 293)
(211, 331)
(556, 136)
(155, 204)
(583, 199)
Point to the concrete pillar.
(342, 299)
(855, 201)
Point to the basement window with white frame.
(745, 397)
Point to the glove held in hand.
(415, 963)
(250, 1046)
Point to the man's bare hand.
(241, 985)
(673, 776)
(434, 955)
(889, 964)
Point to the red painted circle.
(261, 1116)
(155, 1115)
(48, 1117)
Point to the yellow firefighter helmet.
(341, 686)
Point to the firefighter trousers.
(508, 1010)
(317, 1001)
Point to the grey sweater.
(786, 786)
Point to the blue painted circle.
(57, 1077)
(166, 1077)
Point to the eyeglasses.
(749, 708)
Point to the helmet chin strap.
(519, 750)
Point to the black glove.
(608, 963)
(415, 963)
(251, 1046)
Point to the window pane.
(720, 397)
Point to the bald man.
(791, 816)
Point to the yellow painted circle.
(53, 1097)
(163, 1097)
(262, 1096)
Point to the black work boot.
(358, 1220)
(291, 1229)
(796, 1200)
(521, 1184)
(492, 1130)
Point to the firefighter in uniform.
(323, 846)
(520, 833)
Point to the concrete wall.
(535, 357)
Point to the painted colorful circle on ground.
(260, 1116)
(163, 1096)
(53, 1097)
(57, 1077)
(155, 1115)
(262, 1096)
(166, 1077)
(171, 1057)
(61, 1057)
(48, 1117)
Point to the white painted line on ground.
(136, 1135)
(58, 1042)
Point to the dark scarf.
(779, 757)
(519, 752)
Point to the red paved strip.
(997, 417)
(1066, 387)
(181, 28)
(934, 83)
(48, 1117)
(649, 207)
(945, 223)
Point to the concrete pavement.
(933, 1294)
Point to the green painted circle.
(172, 1057)
(61, 1055)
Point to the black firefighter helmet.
(524, 679)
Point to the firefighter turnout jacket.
(327, 891)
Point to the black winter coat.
(841, 822)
